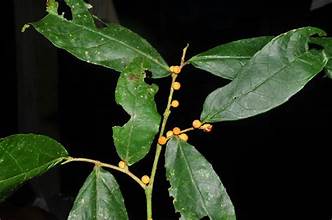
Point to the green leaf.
(195, 186)
(326, 43)
(24, 156)
(134, 139)
(270, 78)
(227, 59)
(112, 46)
(99, 198)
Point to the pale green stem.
(101, 164)
(149, 188)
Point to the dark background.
(274, 166)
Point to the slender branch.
(149, 189)
(184, 51)
(101, 164)
(162, 130)
(167, 112)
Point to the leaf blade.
(21, 159)
(99, 198)
(270, 78)
(195, 187)
(227, 59)
(113, 46)
(133, 140)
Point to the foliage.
(275, 73)
(24, 156)
(264, 72)
(195, 186)
(134, 139)
(99, 198)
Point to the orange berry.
(176, 85)
(197, 123)
(145, 179)
(169, 134)
(162, 140)
(175, 103)
(176, 130)
(122, 164)
(206, 127)
(175, 69)
(183, 137)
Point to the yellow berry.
(176, 85)
(162, 140)
(175, 69)
(197, 123)
(206, 127)
(176, 130)
(175, 103)
(183, 137)
(169, 134)
(145, 179)
(122, 164)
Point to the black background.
(275, 166)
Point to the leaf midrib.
(131, 123)
(32, 170)
(207, 57)
(111, 39)
(97, 205)
(111, 190)
(192, 179)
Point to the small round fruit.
(162, 140)
(197, 124)
(175, 69)
(122, 164)
(183, 137)
(145, 179)
(175, 103)
(176, 85)
(176, 130)
(169, 134)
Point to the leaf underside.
(134, 139)
(275, 73)
(112, 46)
(195, 187)
(227, 59)
(24, 156)
(99, 198)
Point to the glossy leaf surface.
(112, 46)
(326, 43)
(275, 73)
(134, 139)
(195, 186)
(99, 198)
(24, 156)
(227, 59)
